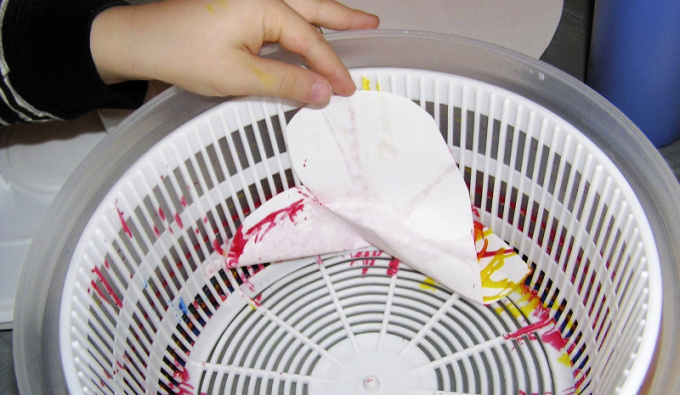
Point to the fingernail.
(321, 93)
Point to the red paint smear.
(205, 220)
(529, 330)
(258, 300)
(393, 267)
(259, 230)
(195, 305)
(161, 213)
(553, 337)
(126, 229)
(368, 261)
(182, 373)
(107, 286)
(218, 247)
(580, 381)
(179, 221)
(477, 230)
(183, 201)
(156, 231)
(106, 263)
(99, 292)
(483, 253)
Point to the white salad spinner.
(124, 289)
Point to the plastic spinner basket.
(146, 305)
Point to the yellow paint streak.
(365, 84)
(210, 9)
(525, 306)
(377, 86)
(428, 285)
(497, 263)
(267, 79)
(564, 360)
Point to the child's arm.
(210, 47)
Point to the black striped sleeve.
(46, 64)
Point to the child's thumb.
(273, 78)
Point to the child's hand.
(210, 47)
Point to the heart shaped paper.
(379, 162)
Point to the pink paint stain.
(259, 230)
(107, 286)
(553, 337)
(258, 300)
(182, 373)
(156, 231)
(393, 267)
(580, 381)
(106, 263)
(179, 221)
(183, 201)
(369, 259)
(126, 229)
(569, 391)
(218, 248)
(245, 282)
(161, 214)
(99, 292)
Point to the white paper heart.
(378, 161)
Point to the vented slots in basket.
(153, 308)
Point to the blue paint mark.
(183, 306)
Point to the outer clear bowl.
(36, 346)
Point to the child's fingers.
(272, 78)
(295, 34)
(333, 15)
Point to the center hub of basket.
(369, 365)
(371, 384)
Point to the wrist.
(111, 45)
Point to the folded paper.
(376, 171)
(379, 162)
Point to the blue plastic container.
(635, 63)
